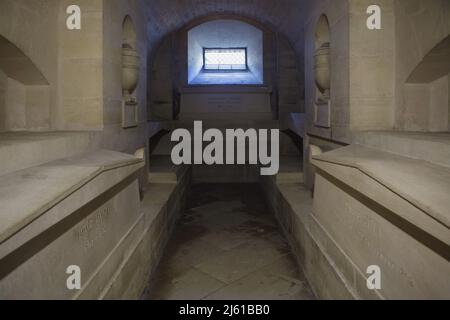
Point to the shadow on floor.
(227, 246)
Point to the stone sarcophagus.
(73, 217)
(388, 211)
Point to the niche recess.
(427, 92)
(322, 104)
(24, 92)
(130, 75)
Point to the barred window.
(225, 59)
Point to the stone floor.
(227, 246)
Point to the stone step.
(228, 124)
(229, 116)
(290, 177)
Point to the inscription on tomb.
(224, 102)
(368, 234)
(95, 227)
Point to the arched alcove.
(129, 32)
(130, 74)
(169, 70)
(322, 34)
(426, 95)
(16, 65)
(24, 91)
(322, 69)
(225, 51)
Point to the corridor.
(227, 246)
(217, 149)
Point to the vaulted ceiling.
(168, 15)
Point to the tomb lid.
(27, 194)
(420, 184)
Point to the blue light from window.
(225, 59)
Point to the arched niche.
(129, 32)
(24, 91)
(427, 92)
(322, 73)
(168, 72)
(435, 65)
(322, 34)
(244, 39)
(16, 65)
(130, 74)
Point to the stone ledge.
(162, 170)
(329, 272)
(290, 177)
(209, 89)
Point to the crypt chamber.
(87, 178)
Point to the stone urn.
(130, 71)
(322, 69)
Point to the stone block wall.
(114, 136)
(415, 39)
(372, 67)
(337, 13)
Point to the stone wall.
(114, 136)
(80, 77)
(337, 13)
(22, 24)
(415, 39)
(372, 68)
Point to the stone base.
(310, 244)
(160, 209)
(335, 240)
(370, 208)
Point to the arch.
(228, 16)
(322, 34)
(435, 65)
(426, 96)
(129, 32)
(283, 99)
(24, 91)
(226, 33)
(322, 73)
(284, 17)
(16, 65)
